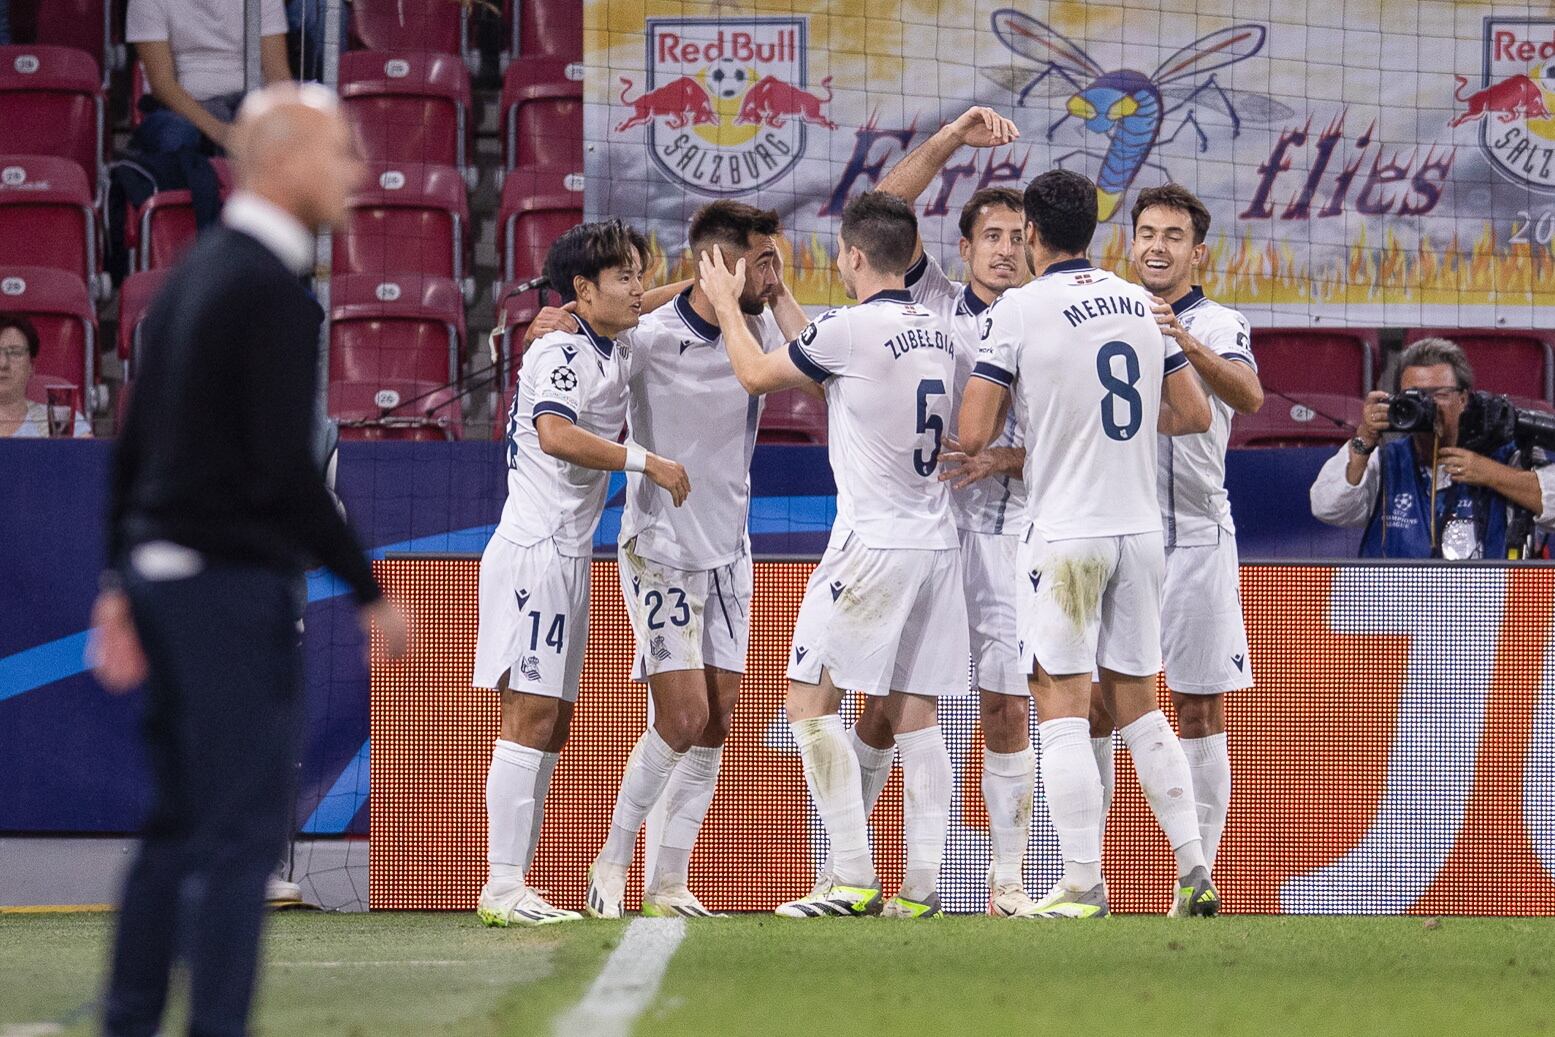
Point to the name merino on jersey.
(686, 403)
(1191, 486)
(582, 378)
(996, 505)
(888, 366)
(1081, 352)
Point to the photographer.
(1422, 495)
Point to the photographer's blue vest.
(1400, 525)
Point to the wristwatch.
(1360, 446)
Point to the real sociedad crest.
(725, 103)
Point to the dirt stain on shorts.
(1077, 587)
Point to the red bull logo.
(1513, 105)
(725, 105)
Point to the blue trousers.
(222, 723)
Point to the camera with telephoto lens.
(1489, 422)
(1412, 410)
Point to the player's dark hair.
(883, 227)
(1062, 205)
(585, 250)
(25, 326)
(987, 198)
(731, 225)
(1175, 196)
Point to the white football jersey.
(685, 403)
(888, 366)
(989, 505)
(582, 378)
(1082, 354)
(1191, 483)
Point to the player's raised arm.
(758, 372)
(977, 127)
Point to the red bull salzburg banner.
(1386, 164)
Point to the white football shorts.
(1203, 636)
(534, 618)
(686, 619)
(988, 563)
(882, 620)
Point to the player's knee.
(681, 725)
(1200, 716)
(873, 727)
(716, 731)
(1101, 720)
(1005, 717)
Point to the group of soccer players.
(1001, 497)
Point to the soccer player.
(1203, 637)
(1094, 376)
(686, 572)
(534, 582)
(883, 612)
(987, 499)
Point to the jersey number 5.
(1119, 390)
(928, 422)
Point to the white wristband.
(636, 458)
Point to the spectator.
(1411, 507)
(194, 58)
(20, 417)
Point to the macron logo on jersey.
(1103, 306)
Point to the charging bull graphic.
(1513, 105)
(725, 106)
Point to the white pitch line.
(628, 981)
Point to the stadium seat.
(1313, 360)
(138, 88)
(59, 306)
(1320, 419)
(403, 327)
(542, 113)
(1515, 363)
(408, 219)
(135, 296)
(410, 107)
(47, 218)
(515, 312)
(791, 416)
(499, 417)
(165, 225)
(86, 25)
(543, 28)
(395, 409)
(439, 27)
(539, 203)
(51, 103)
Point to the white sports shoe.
(607, 889)
(673, 902)
(1010, 900)
(519, 905)
(281, 894)
(818, 893)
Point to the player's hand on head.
(671, 475)
(719, 281)
(982, 127)
(390, 622)
(553, 318)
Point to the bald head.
(292, 144)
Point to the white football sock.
(1101, 748)
(648, 770)
(510, 810)
(1073, 791)
(1163, 774)
(832, 773)
(542, 786)
(926, 780)
(1209, 762)
(874, 768)
(686, 800)
(1007, 785)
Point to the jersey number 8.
(1119, 390)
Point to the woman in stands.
(19, 416)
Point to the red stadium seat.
(410, 107)
(408, 219)
(544, 28)
(1319, 419)
(165, 225)
(58, 304)
(539, 203)
(51, 103)
(1313, 360)
(791, 416)
(435, 26)
(515, 312)
(135, 296)
(395, 409)
(86, 25)
(398, 327)
(542, 113)
(138, 88)
(46, 217)
(1514, 363)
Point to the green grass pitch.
(390, 974)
